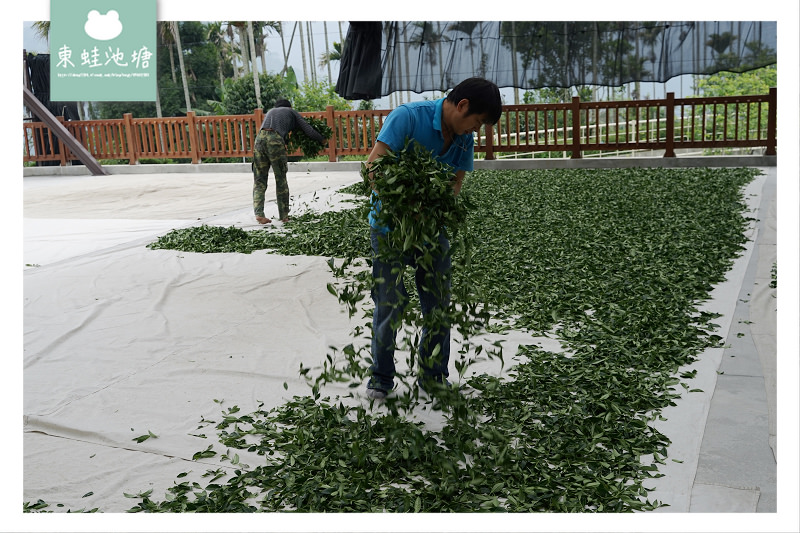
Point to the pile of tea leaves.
(309, 147)
(615, 262)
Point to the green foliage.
(200, 60)
(750, 121)
(115, 110)
(317, 96)
(416, 196)
(205, 239)
(201, 64)
(239, 96)
(327, 234)
(547, 95)
(757, 81)
(173, 103)
(310, 147)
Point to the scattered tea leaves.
(142, 438)
(614, 261)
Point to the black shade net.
(38, 66)
(380, 58)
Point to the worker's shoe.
(376, 394)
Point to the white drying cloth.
(120, 340)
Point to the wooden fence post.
(489, 142)
(258, 118)
(669, 150)
(576, 127)
(330, 121)
(130, 139)
(62, 148)
(772, 121)
(192, 125)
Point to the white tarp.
(120, 340)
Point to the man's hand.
(458, 181)
(380, 149)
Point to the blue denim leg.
(433, 288)
(388, 295)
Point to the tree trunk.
(263, 49)
(172, 63)
(283, 47)
(514, 62)
(303, 53)
(408, 64)
(327, 51)
(158, 103)
(252, 42)
(177, 34)
(311, 54)
(245, 49)
(289, 51)
(231, 36)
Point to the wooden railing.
(578, 128)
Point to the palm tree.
(259, 45)
(243, 43)
(283, 46)
(327, 49)
(216, 36)
(260, 30)
(406, 56)
(231, 33)
(393, 43)
(303, 52)
(311, 54)
(42, 29)
(467, 28)
(174, 28)
(431, 38)
(251, 41)
(331, 55)
(440, 37)
(168, 39)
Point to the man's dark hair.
(483, 96)
(283, 102)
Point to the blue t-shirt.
(422, 122)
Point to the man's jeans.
(389, 295)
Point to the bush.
(239, 96)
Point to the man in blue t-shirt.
(445, 127)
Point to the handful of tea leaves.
(309, 147)
(415, 197)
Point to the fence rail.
(575, 127)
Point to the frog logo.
(103, 27)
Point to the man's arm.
(308, 129)
(458, 181)
(380, 149)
